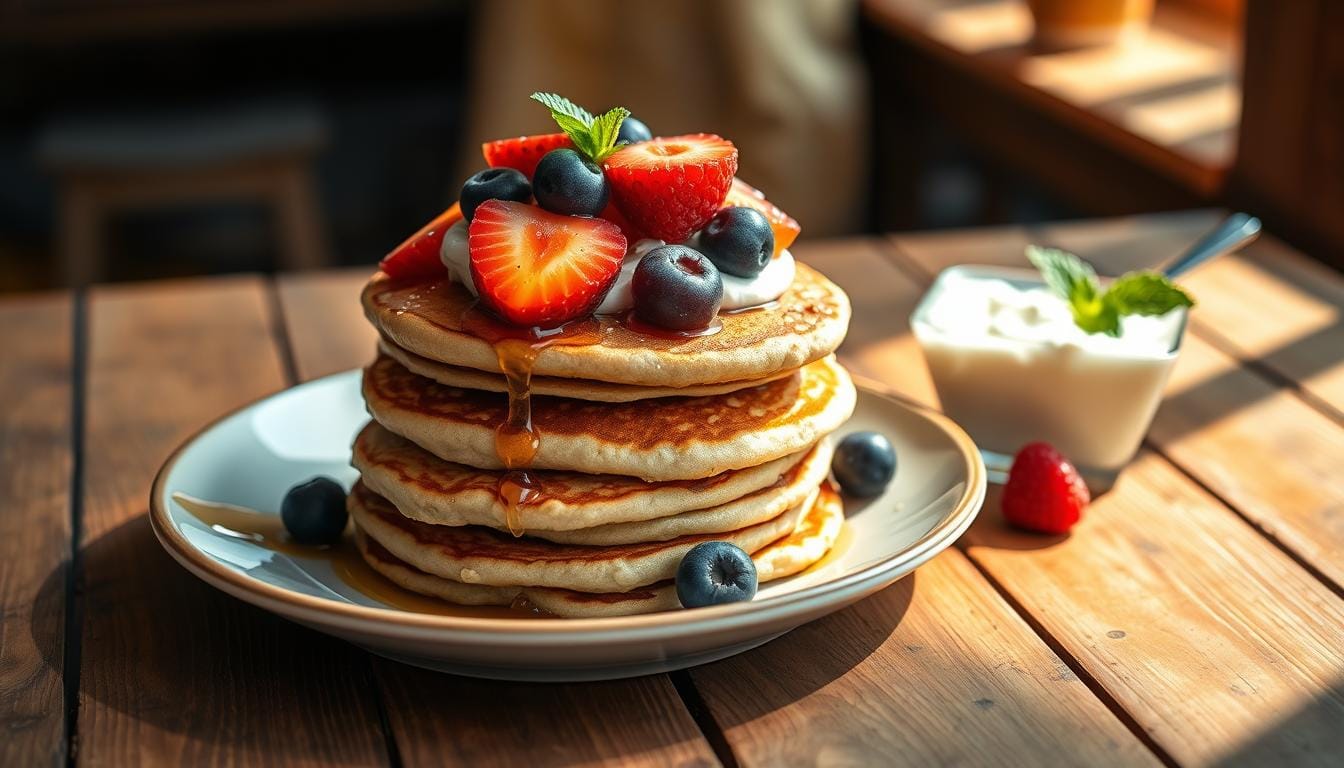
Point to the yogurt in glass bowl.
(1011, 367)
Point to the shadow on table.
(169, 653)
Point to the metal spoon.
(1235, 231)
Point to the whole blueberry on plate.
(864, 463)
(676, 287)
(713, 573)
(314, 511)
(493, 184)
(633, 130)
(739, 241)
(570, 184)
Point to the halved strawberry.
(744, 195)
(537, 268)
(524, 152)
(670, 187)
(418, 256)
(613, 214)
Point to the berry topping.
(418, 256)
(536, 268)
(785, 227)
(569, 183)
(1044, 492)
(610, 213)
(314, 511)
(676, 287)
(494, 184)
(523, 153)
(739, 241)
(633, 131)
(670, 187)
(714, 573)
(864, 463)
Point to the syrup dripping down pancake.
(577, 508)
(480, 555)
(583, 389)
(671, 438)
(807, 323)
(814, 536)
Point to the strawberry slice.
(670, 187)
(537, 268)
(786, 229)
(612, 214)
(418, 256)
(524, 152)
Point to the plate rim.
(665, 625)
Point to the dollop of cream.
(738, 292)
(455, 254)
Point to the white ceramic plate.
(251, 457)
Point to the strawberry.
(786, 229)
(670, 187)
(610, 213)
(524, 152)
(418, 256)
(1044, 492)
(537, 268)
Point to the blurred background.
(151, 138)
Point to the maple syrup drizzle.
(268, 531)
(516, 440)
(642, 328)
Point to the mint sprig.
(1095, 311)
(593, 136)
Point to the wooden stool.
(109, 164)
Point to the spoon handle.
(1234, 231)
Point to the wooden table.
(1195, 616)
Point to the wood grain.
(36, 371)
(440, 719)
(934, 670)
(1215, 642)
(1257, 445)
(174, 672)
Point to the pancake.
(578, 508)
(814, 536)
(439, 321)
(480, 555)
(583, 389)
(670, 438)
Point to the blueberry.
(494, 184)
(739, 241)
(314, 511)
(570, 184)
(633, 130)
(676, 287)
(864, 463)
(714, 573)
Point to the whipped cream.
(983, 310)
(738, 292)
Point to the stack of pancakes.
(645, 445)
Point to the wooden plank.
(1215, 642)
(442, 719)
(934, 670)
(174, 672)
(1227, 426)
(36, 372)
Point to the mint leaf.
(1146, 293)
(559, 104)
(1067, 275)
(1095, 311)
(606, 127)
(594, 137)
